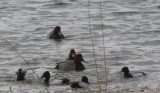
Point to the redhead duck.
(20, 74)
(83, 84)
(70, 65)
(72, 54)
(47, 81)
(127, 73)
(56, 33)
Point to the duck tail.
(57, 67)
(65, 80)
(144, 73)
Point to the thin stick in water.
(93, 45)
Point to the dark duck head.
(126, 72)
(85, 79)
(20, 74)
(46, 75)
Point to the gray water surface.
(131, 37)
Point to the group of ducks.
(74, 62)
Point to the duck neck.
(71, 58)
(47, 80)
(86, 81)
(77, 62)
(128, 75)
(20, 76)
(79, 67)
(127, 72)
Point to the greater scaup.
(84, 83)
(127, 73)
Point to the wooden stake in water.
(10, 88)
(98, 79)
(105, 61)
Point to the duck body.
(137, 74)
(20, 74)
(47, 80)
(70, 65)
(128, 74)
(82, 84)
(56, 33)
(52, 36)
(79, 85)
(59, 81)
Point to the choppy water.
(132, 38)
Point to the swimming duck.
(72, 54)
(83, 84)
(56, 33)
(70, 65)
(39, 73)
(20, 74)
(47, 81)
(127, 74)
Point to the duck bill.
(121, 71)
(60, 34)
(73, 55)
(88, 83)
(84, 61)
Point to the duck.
(56, 33)
(83, 84)
(40, 71)
(70, 65)
(127, 73)
(47, 80)
(20, 74)
(72, 54)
